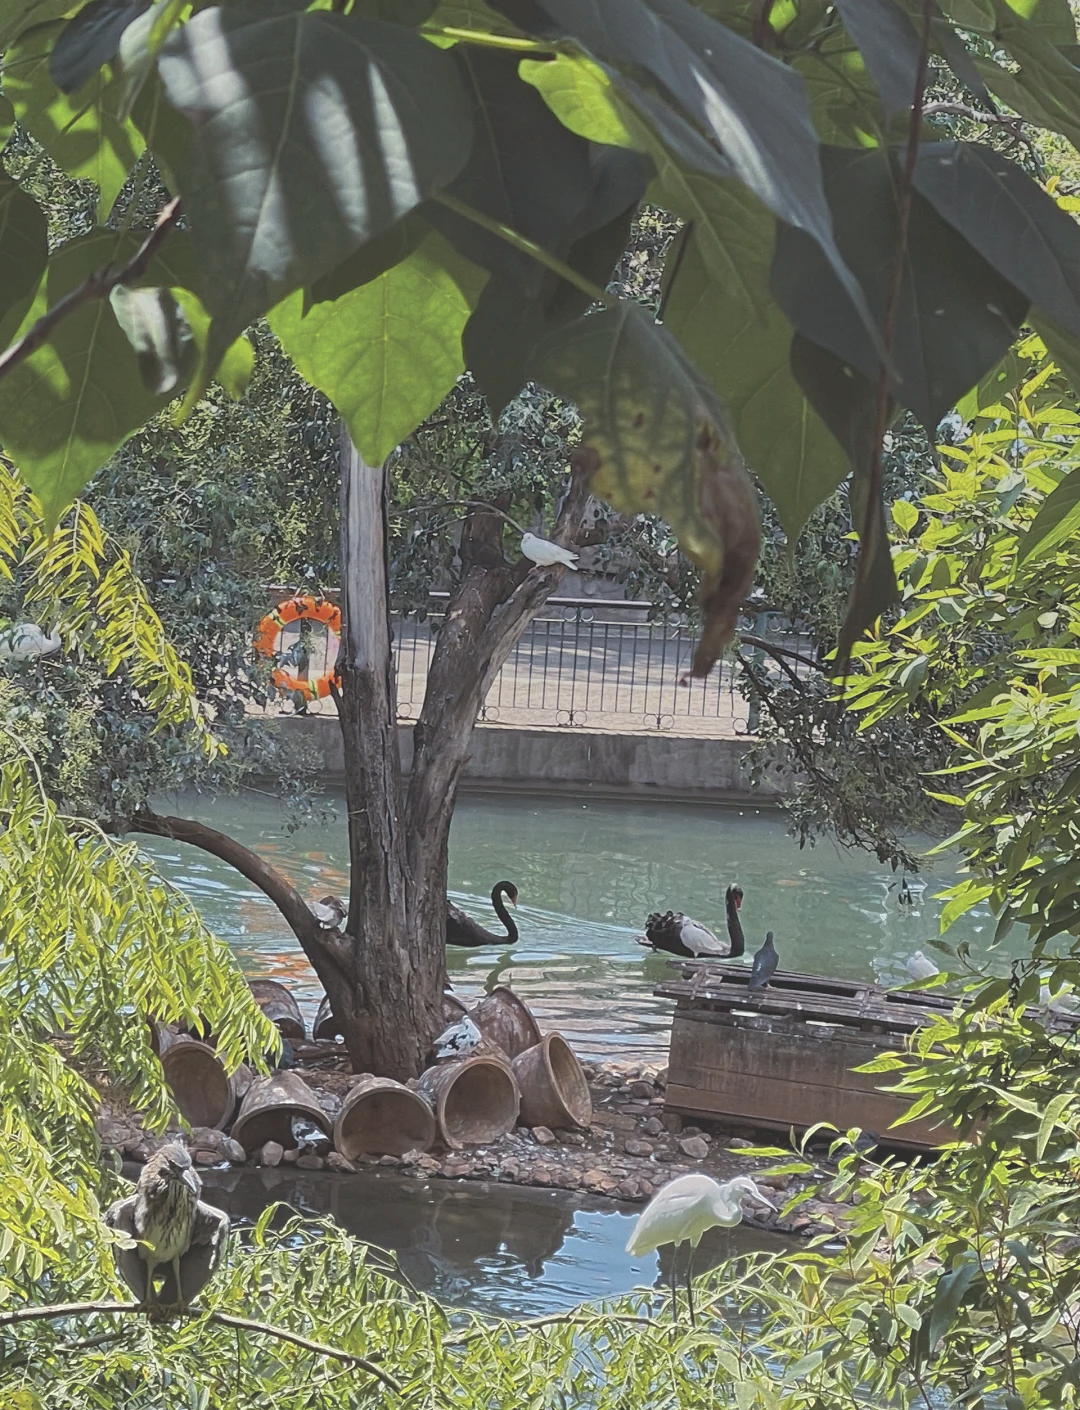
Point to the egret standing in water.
(682, 1211)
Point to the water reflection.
(499, 1249)
(588, 876)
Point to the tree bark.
(390, 1005)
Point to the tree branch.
(221, 1319)
(98, 285)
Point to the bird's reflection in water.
(501, 1249)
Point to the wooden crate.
(784, 1057)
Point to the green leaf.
(234, 372)
(948, 1295)
(311, 133)
(887, 41)
(751, 106)
(905, 515)
(1046, 88)
(660, 442)
(24, 245)
(1013, 224)
(83, 134)
(846, 403)
(387, 352)
(1062, 347)
(159, 334)
(1056, 522)
(1051, 1118)
(74, 400)
(19, 15)
(957, 315)
(90, 40)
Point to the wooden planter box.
(784, 1057)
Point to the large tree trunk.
(386, 973)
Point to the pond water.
(499, 1249)
(588, 875)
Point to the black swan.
(765, 963)
(681, 935)
(463, 930)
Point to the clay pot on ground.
(269, 1107)
(507, 1021)
(382, 1117)
(475, 1100)
(204, 1094)
(554, 1091)
(326, 1026)
(279, 1006)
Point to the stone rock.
(642, 1090)
(541, 1175)
(427, 1163)
(233, 1151)
(627, 1189)
(666, 1156)
(774, 1182)
(696, 1147)
(291, 1157)
(206, 1157)
(510, 1169)
(205, 1138)
(456, 1169)
(336, 1161)
(672, 1122)
(633, 1147)
(738, 1143)
(696, 1131)
(543, 1136)
(412, 1157)
(388, 1160)
(595, 1180)
(330, 1103)
(661, 1077)
(646, 1188)
(570, 1138)
(653, 1127)
(310, 1161)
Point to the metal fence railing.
(587, 663)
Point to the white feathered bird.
(25, 640)
(330, 912)
(459, 1040)
(919, 967)
(545, 553)
(683, 1210)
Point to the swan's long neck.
(503, 914)
(734, 929)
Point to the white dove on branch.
(545, 553)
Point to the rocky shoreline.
(632, 1147)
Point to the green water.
(588, 875)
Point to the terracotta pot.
(553, 1088)
(452, 1008)
(269, 1107)
(382, 1117)
(204, 1094)
(326, 1026)
(507, 1021)
(280, 1008)
(475, 1100)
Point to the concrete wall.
(656, 766)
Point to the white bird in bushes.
(545, 553)
(24, 641)
(683, 1210)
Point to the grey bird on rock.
(175, 1230)
(765, 963)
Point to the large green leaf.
(90, 40)
(66, 408)
(387, 352)
(719, 305)
(17, 16)
(1010, 220)
(848, 405)
(728, 108)
(1062, 347)
(7, 121)
(844, 103)
(889, 45)
(311, 133)
(83, 133)
(659, 442)
(1045, 89)
(956, 316)
(24, 245)
(1056, 522)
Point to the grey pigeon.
(765, 963)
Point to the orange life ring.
(310, 609)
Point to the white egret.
(545, 553)
(683, 1210)
(24, 641)
(919, 967)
